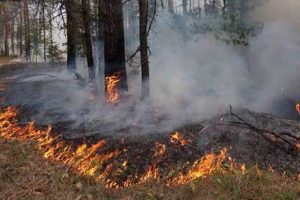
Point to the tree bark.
(21, 31)
(12, 36)
(27, 31)
(44, 32)
(114, 47)
(88, 47)
(6, 28)
(71, 37)
(171, 6)
(184, 6)
(143, 10)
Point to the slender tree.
(21, 29)
(184, 6)
(143, 11)
(6, 28)
(44, 31)
(27, 31)
(171, 6)
(88, 47)
(71, 37)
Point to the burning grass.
(25, 174)
(87, 160)
(96, 170)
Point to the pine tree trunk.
(114, 47)
(6, 32)
(44, 32)
(27, 31)
(143, 10)
(71, 37)
(171, 6)
(88, 47)
(12, 35)
(100, 47)
(184, 6)
(21, 31)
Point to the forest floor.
(6, 59)
(25, 173)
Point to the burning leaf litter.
(87, 160)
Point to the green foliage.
(233, 25)
(54, 53)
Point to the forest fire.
(178, 138)
(106, 167)
(113, 94)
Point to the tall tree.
(21, 29)
(44, 31)
(143, 11)
(88, 47)
(6, 28)
(171, 6)
(70, 6)
(12, 35)
(27, 31)
(184, 6)
(114, 47)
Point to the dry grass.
(24, 174)
(6, 59)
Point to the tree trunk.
(184, 6)
(71, 37)
(27, 31)
(44, 32)
(88, 47)
(114, 47)
(6, 32)
(51, 39)
(21, 31)
(171, 6)
(143, 9)
(100, 36)
(12, 35)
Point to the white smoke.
(195, 79)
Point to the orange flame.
(113, 94)
(178, 138)
(87, 160)
(160, 149)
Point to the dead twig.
(271, 136)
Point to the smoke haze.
(195, 79)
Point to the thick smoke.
(196, 78)
(199, 78)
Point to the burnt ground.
(43, 94)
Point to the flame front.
(107, 167)
(112, 92)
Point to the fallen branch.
(277, 138)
